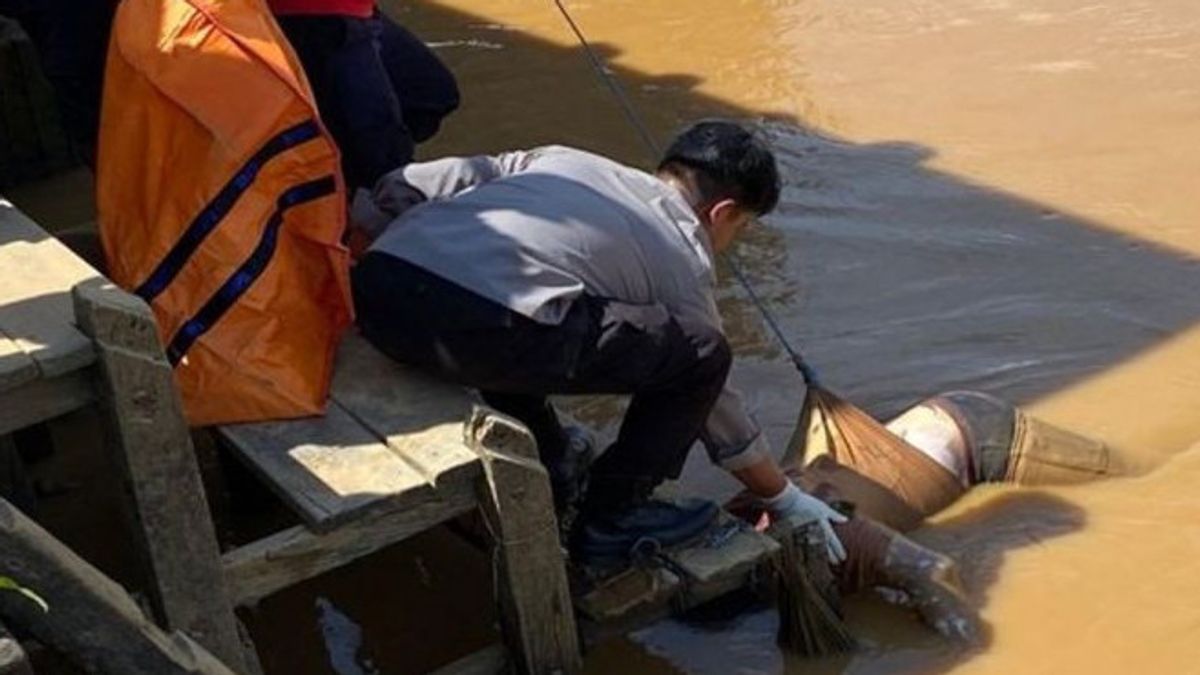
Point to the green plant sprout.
(7, 584)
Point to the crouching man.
(556, 271)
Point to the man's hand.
(795, 506)
(372, 212)
(393, 195)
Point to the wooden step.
(729, 557)
(391, 438)
(387, 460)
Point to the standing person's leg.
(424, 85)
(341, 56)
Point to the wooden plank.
(329, 469)
(259, 569)
(612, 620)
(91, 620)
(13, 660)
(16, 367)
(628, 594)
(491, 660)
(711, 567)
(322, 466)
(153, 449)
(536, 614)
(45, 399)
(35, 301)
(739, 551)
(420, 417)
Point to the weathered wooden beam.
(154, 452)
(91, 620)
(257, 570)
(13, 660)
(701, 572)
(417, 415)
(16, 367)
(491, 660)
(45, 399)
(537, 617)
(35, 306)
(330, 470)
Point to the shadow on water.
(980, 538)
(982, 535)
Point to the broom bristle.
(809, 623)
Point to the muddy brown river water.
(987, 194)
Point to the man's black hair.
(729, 162)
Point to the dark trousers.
(380, 90)
(674, 371)
(71, 37)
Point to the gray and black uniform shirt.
(533, 230)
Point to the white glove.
(797, 507)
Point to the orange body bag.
(222, 205)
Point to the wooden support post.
(91, 620)
(12, 657)
(537, 617)
(290, 556)
(154, 452)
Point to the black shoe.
(569, 474)
(641, 528)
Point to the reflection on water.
(343, 640)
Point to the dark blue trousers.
(380, 90)
(674, 371)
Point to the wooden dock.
(48, 367)
(396, 453)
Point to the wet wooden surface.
(41, 349)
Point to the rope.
(806, 371)
(613, 85)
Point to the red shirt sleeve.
(361, 8)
